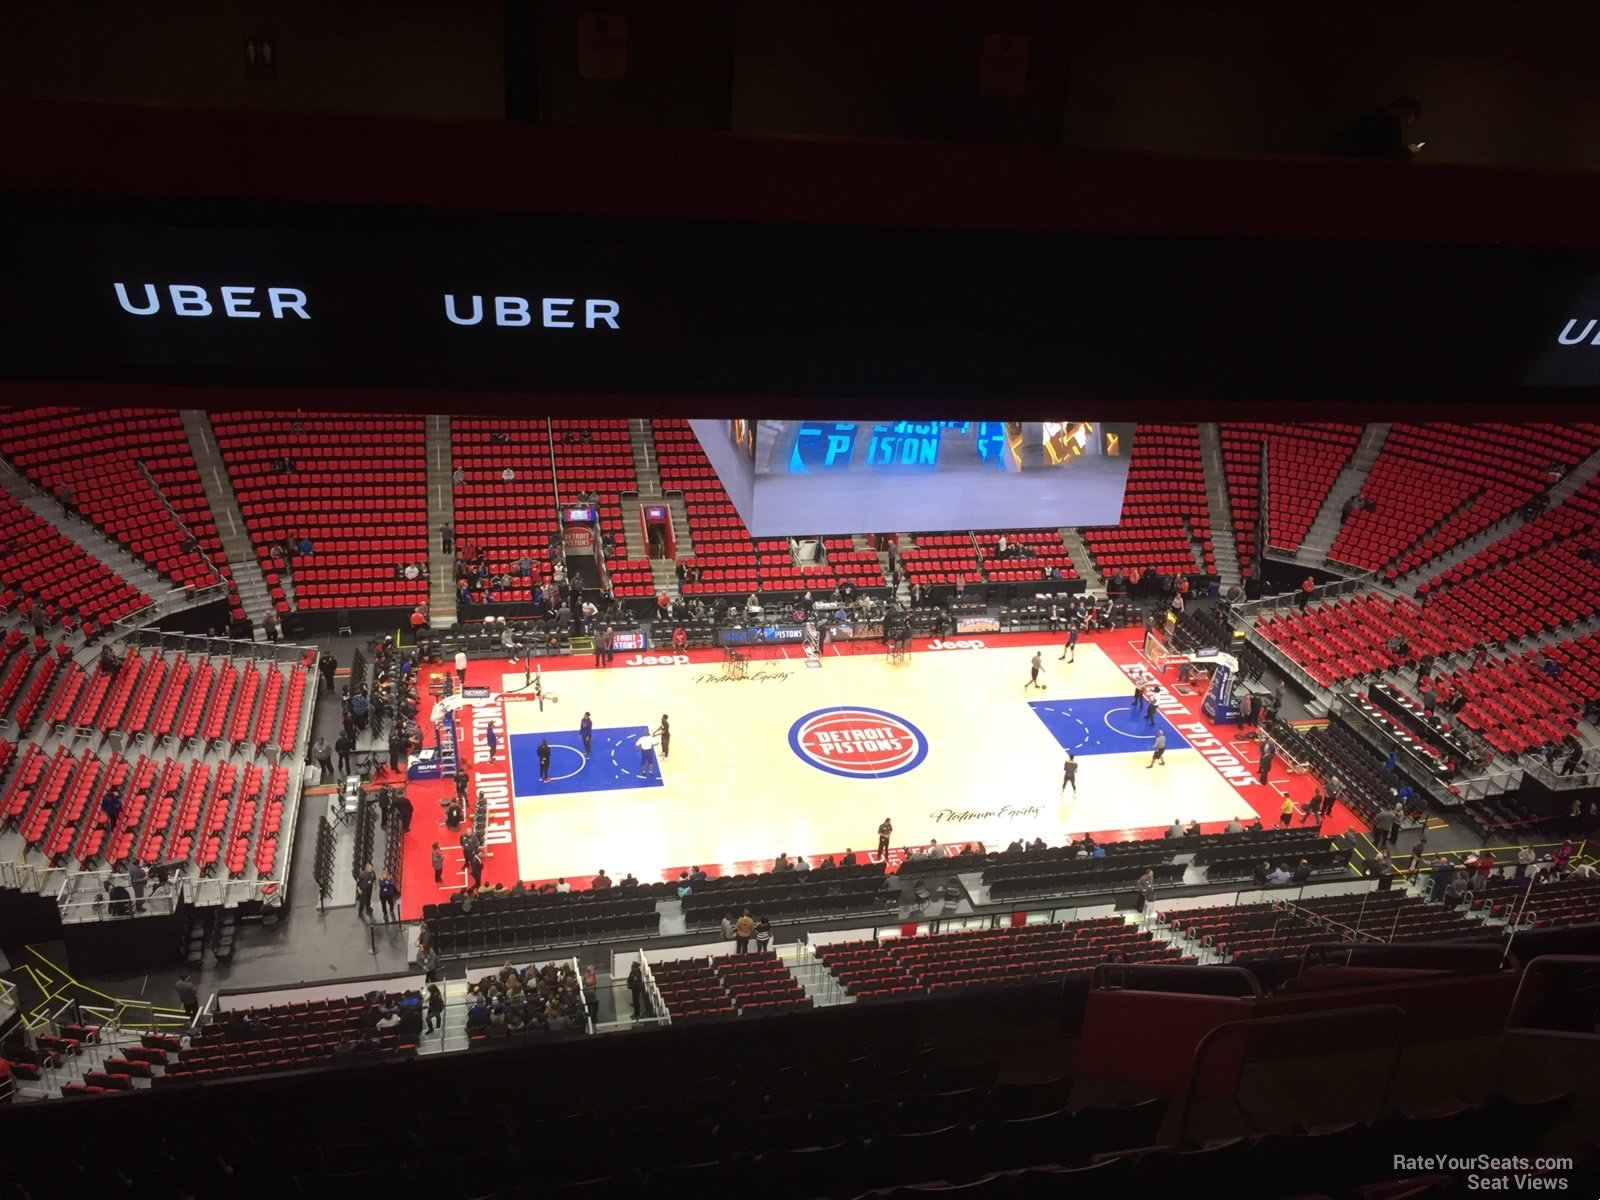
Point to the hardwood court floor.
(948, 745)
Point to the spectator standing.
(1383, 868)
(461, 668)
(269, 624)
(1525, 859)
(188, 995)
(1146, 887)
(365, 882)
(763, 931)
(1382, 826)
(322, 755)
(1314, 808)
(1419, 850)
(342, 746)
(328, 664)
(388, 897)
(636, 990)
(1307, 585)
(885, 831)
(1269, 751)
(437, 858)
(447, 538)
(1286, 813)
(435, 1008)
(742, 929)
(111, 805)
(1483, 869)
(137, 877)
(727, 926)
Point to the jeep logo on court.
(858, 743)
(965, 644)
(656, 660)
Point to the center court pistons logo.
(858, 743)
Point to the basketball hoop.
(1155, 652)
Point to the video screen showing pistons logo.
(858, 743)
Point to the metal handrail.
(1213, 1036)
(1313, 917)
(1333, 589)
(216, 571)
(1539, 965)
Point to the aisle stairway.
(1081, 562)
(662, 573)
(1325, 526)
(813, 976)
(442, 612)
(254, 595)
(1574, 479)
(1223, 547)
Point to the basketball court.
(948, 741)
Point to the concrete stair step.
(1078, 552)
(254, 595)
(1224, 549)
(1329, 520)
(442, 613)
(680, 523)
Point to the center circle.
(858, 743)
